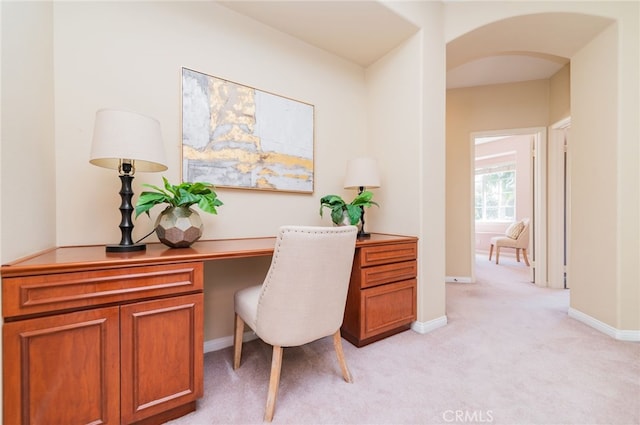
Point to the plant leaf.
(354, 213)
(364, 199)
(209, 204)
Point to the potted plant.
(343, 213)
(179, 225)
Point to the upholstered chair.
(302, 298)
(516, 237)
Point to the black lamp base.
(126, 248)
(363, 235)
(126, 209)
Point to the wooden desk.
(91, 336)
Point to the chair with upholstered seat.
(519, 241)
(302, 298)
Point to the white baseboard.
(622, 335)
(431, 325)
(458, 279)
(226, 341)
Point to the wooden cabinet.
(382, 293)
(103, 345)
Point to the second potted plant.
(343, 213)
(179, 225)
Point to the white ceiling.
(523, 48)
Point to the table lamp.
(127, 142)
(362, 173)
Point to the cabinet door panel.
(387, 307)
(162, 355)
(63, 369)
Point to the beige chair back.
(523, 237)
(304, 293)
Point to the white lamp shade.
(362, 172)
(119, 135)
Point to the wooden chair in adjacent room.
(302, 298)
(516, 237)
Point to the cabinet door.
(162, 356)
(63, 369)
(388, 307)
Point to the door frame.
(539, 194)
(559, 203)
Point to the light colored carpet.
(508, 355)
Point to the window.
(495, 198)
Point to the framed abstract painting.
(240, 137)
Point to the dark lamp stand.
(361, 233)
(126, 209)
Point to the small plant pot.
(347, 222)
(179, 227)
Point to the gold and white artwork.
(237, 136)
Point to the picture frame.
(236, 136)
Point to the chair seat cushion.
(504, 241)
(246, 304)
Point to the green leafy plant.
(337, 205)
(182, 195)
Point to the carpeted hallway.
(508, 355)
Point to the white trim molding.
(431, 325)
(458, 279)
(621, 335)
(226, 341)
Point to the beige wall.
(593, 273)
(422, 102)
(27, 180)
(129, 55)
(560, 95)
(478, 109)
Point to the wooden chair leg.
(237, 342)
(274, 382)
(497, 253)
(337, 343)
(518, 255)
(490, 251)
(524, 254)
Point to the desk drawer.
(384, 254)
(387, 273)
(388, 307)
(40, 294)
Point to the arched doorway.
(546, 38)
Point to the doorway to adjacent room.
(508, 177)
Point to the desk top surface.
(75, 258)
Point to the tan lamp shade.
(362, 172)
(123, 135)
